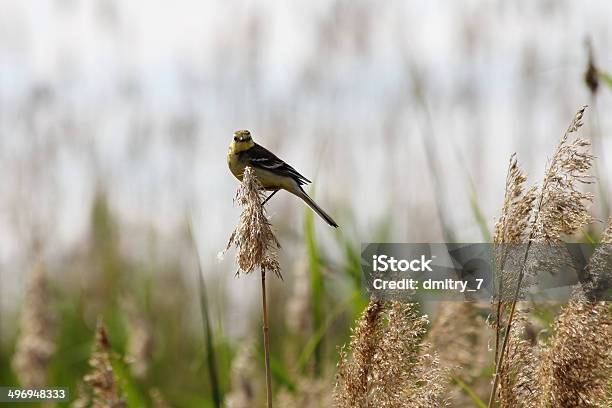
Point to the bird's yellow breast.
(235, 165)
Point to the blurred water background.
(132, 105)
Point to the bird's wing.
(259, 156)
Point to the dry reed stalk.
(561, 209)
(101, 379)
(257, 247)
(35, 345)
(390, 365)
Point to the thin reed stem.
(508, 326)
(497, 321)
(266, 333)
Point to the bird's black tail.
(316, 208)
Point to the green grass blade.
(479, 216)
(318, 335)
(281, 374)
(134, 394)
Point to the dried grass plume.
(390, 364)
(577, 365)
(253, 238)
(101, 379)
(517, 207)
(562, 208)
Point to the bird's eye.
(235, 138)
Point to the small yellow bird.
(273, 173)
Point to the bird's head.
(242, 141)
(242, 136)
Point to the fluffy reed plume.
(511, 228)
(140, 339)
(253, 238)
(351, 388)
(243, 375)
(577, 365)
(390, 365)
(598, 272)
(101, 379)
(35, 345)
(562, 208)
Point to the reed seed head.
(576, 367)
(253, 238)
(512, 226)
(101, 379)
(599, 270)
(563, 208)
(390, 365)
